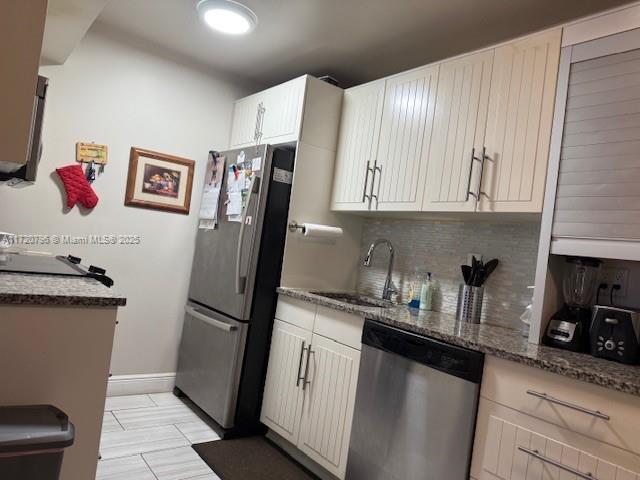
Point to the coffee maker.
(569, 326)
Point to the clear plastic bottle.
(426, 293)
(414, 290)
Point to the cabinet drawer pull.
(306, 369)
(550, 399)
(551, 461)
(299, 378)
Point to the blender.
(569, 326)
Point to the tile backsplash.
(439, 247)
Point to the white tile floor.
(149, 437)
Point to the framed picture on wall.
(159, 181)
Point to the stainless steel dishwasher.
(415, 410)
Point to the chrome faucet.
(389, 288)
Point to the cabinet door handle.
(469, 192)
(261, 112)
(561, 466)
(306, 368)
(256, 130)
(557, 401)
(376, 168)
(482, 160)
(299, 378)
(366, 182)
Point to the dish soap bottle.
(414, 290)
(426, 293)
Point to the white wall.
(113, 92)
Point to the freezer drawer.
(210, 362)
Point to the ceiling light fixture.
(227, 16)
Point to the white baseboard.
(139, 384)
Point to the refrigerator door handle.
(241, 280)
(208, 320)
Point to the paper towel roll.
(314, 230)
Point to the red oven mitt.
(77, 186)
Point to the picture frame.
(159, 181)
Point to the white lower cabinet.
(282, 402)
(512, 446)
(329, 403)
(537, 425)
(310, 389)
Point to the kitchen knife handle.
(240, 279)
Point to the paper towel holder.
(294, 226)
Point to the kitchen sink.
(355, 299)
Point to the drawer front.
(342, 327)
(571, 404)
(512, 446)
(296, 312)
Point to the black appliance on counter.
(615, 334)
(68, 266)
(569, 327)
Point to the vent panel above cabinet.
(598, 194)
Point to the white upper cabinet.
(523, 87)
(482, 146)
(357, 146)
(458, 133)
(246, 119)
(283, 112)
(272, 116)
(400, 166)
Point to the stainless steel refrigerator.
(229, 315)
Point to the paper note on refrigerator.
(211, 193)
(209, 203)
(234, 204)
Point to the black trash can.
(32, 442)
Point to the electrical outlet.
(615, 276)
(469, 255)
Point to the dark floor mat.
(252, 458)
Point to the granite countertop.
(30, 289)
(492, 340)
